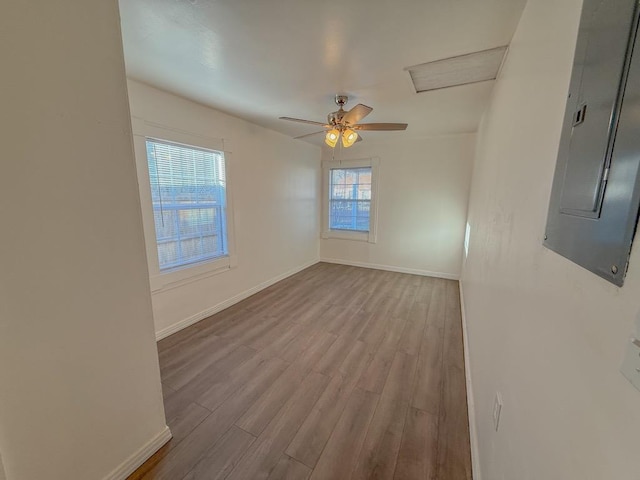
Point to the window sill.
(191, 273)
(349, 235)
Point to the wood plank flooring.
(337, 373)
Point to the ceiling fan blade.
(359, 138)
(309, 134)
(380, 126)
(356, 114)
(299, 120)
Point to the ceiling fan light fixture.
(346, 124)
(349, 137)
(332, 137)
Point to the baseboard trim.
(187, 322)
(391, 268)
(141, 456)
(3, 476)
(473, 431)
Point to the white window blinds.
(188, 191)
(350, 198)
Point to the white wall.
(546, 333)
(422, 198)
(79, 378)
(275, 190)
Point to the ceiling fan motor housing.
(335, 118)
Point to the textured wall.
(422, 197)
(275, 195)
(543, 331)
(79, 380)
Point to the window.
(188, 195)
(350, 199)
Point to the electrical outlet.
(497, 409)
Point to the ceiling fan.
(345, 124)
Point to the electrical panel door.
(594, 203)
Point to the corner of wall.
(3, 475)
(473, 430)
(138, 458)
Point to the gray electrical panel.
(594, 203)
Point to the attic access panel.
(594, 202)
(461, 70)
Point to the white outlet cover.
(497, 409)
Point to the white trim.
(347, 235)
(176, 327)
(473, 431)
(138, 458)
(143, 127)
(191, 273)
(392, 268)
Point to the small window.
(350, 202)
(188, 194)
(350, 199)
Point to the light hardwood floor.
(337, 373)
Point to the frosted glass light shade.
(332, 137)
(349, 137)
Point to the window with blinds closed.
(188, 192)
(350, 199)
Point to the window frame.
(180, 275)
(327, 166)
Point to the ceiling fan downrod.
(341, 100)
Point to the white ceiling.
(261, 59)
